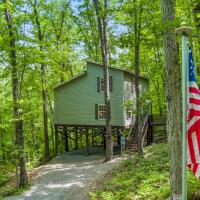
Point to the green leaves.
(70, 37)
(142, 177)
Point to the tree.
(40, 35)
(60, 16)
(173, 95)
(101, 13)
(137, 32)
(18, 118)
(88, 27)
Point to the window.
(100, 111)
(102, 84)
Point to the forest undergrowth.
(142, 177)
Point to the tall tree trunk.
(43, 77)
(45, 113)
(173, 95)
(51, 122)
(102, 27)
(18, 121)
(58, 33)
(137, 32)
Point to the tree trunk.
(137, 32)
(137, 91)
(102, 27)
(45, 114)
(44, 91)
(58, 33)
(173, 95)
(18, 121)
(51, 121)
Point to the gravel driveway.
(68, 176)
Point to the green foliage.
(142, 177)
(3, 179)
(70, 37)
(193, 186)
(7, 183)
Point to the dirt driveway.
(68, 176)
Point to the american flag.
(193, 121)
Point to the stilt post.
(66, 141)
(76, 138)
(93, 137)
(87, 139)
(118, 137)
(56, 141)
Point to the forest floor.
(69, 176)
(142, 177)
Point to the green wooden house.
(80, 100)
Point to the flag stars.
(191, 68)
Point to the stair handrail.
(149, 112)
(144, 129)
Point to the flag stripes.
(193, 122)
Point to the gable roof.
(117, 68)
(99, 65)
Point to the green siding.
(75, 101)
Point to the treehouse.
(79, 102)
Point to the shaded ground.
(68, 176)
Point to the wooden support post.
(118, 137)
(93, 137)
(76, 138)
(70, 140)
(81, 137)
(148, 132)
(87, 140)
(151, 129)
(56, 141)
(66, 141)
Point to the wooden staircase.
(145, 129)
(131, 143)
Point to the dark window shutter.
(111, 83)
(96, 111)
(98, 84)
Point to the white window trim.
(101, 77)
(100, 111)
(101, 89)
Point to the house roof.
(71, 79)
(117, 68)
(100, 65)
